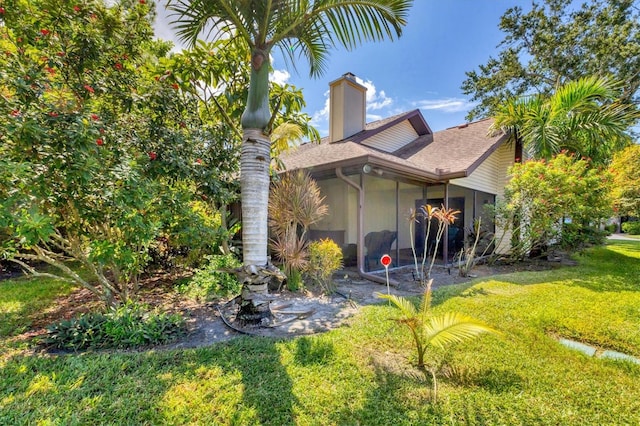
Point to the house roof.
(431, 157)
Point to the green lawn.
(362, 374)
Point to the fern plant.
(438, 331)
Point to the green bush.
(127, 326)
(211, 282)
(632, 228)
(575, 237)
(325, 257)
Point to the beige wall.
(342, 201)
(408, 196)
(489, 176)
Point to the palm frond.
(582, 116)
(425, 305)
(374, 20)
(311, 30)
(192, 19)
(284, 137)
(453, 327)
(406, 307)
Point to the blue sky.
(423, 69)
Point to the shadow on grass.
(312, 351)
(387, 401)
(240, 383)
(21, 299)
(493, 380)
(406, 397)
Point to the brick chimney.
(347, 107)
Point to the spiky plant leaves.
(295, 199)
(295, 204)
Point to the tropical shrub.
(99, 155)
(632, 228)
(214, 281)
(574, 236)
(325, 257)
(130, 325)
(543, 195)
(625, 168)
(295, 204)
(295, 280)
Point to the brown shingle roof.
(450, 153)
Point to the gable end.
(392, 138)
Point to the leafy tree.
(625, 168)
(542, 194)
(584, 117)
(557, 42)
(307, 28)
(98, 157)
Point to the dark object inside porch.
(377, 243)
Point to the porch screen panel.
(380, 217)
(341, 224)
(407, 196)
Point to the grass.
(21, 300)
(363, 374)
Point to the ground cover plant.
(128, 326)
(365, 373)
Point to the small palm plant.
(429, 330)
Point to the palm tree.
(430, 330)
(307, 28)
(582, 117)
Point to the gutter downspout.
(360, 248)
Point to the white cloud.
(375, 100)
(280, 76)
(374, 117)
(446, 105)
(321, 118)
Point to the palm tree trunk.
(254, 185)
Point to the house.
(372, 174)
